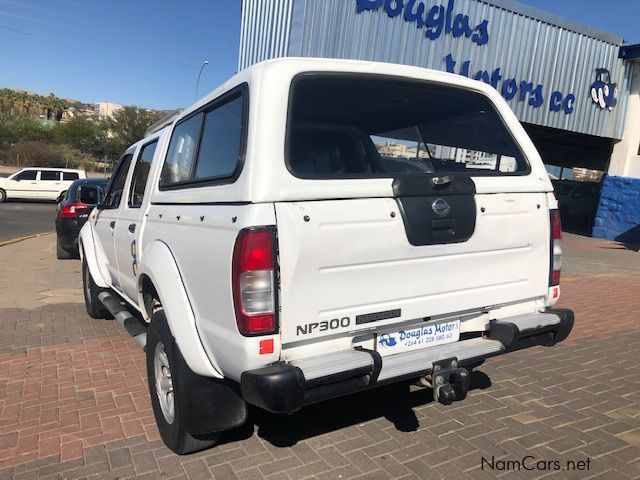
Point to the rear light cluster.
(253, 280)
(74, 209)
(556, 248)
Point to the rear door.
(106, 219)
(427, 244)
(49, 184)
(129, 221)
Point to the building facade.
(574, 88)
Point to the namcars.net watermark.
(531, 463)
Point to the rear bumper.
(287, 387)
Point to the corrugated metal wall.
(264, 31)
(524, 48)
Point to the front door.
(105, 222)
(129, 222)
(23, 185)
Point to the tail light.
(556, 248)
(253, 281)
(74, 209)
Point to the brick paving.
(74, 401)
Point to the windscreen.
(359, 126)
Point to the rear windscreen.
(359, 126)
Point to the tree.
(86, 135)
(14, 129)
(43, 154)
(129, 124)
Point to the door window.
(69, 176)
(140, 175)
(116, 186)
(26, 175)
(50, 175)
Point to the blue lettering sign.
(393, 7)
(511, 88)
(438, 19)
(555, 102)
(368, 5)
(441, 18)
(417, 15)
(567, 105)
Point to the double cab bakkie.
(314, 228)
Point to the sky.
(148, 52)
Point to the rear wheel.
(166, 394)
(94, 306)
(3, 195)
(61, 253)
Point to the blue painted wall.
(618, 215)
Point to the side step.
(131, 324)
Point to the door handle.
(132, 227)
(112, 225)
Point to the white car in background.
(38, 183)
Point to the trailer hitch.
(450, 382)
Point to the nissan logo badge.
(440, 207)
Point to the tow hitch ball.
(450, 382)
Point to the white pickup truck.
(314, 228)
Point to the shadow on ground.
(394, 402)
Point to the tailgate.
(350, 265)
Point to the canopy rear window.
(359, 126)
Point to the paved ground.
(22, 218)
(74, 403)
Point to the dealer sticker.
(423, 336)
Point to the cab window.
(116, 186)
(350, 126)
(140, 175)
(208, 147)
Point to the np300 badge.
(440, 207)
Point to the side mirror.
(101, 206)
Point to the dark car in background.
(578, 201)
(73, 211)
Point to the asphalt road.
(21, 218)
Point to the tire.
(94, 306)
(61, 253)
(162, 356)
(3, 195)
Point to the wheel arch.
(160, 278)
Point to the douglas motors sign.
(437, 19)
